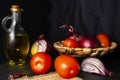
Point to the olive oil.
(16, 49)
(16, 41)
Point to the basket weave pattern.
(84, 52)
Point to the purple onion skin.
(75, 36)
(72, 33)
(17, 75)
(89, 42)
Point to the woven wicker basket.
(84, 52)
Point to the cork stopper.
(15, 8)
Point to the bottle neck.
(16, 22)
(16, 18)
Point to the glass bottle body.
(16, 41)
(16, 49)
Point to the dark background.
(88, 17)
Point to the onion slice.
(94, 65)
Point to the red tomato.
(66, 66)
(40, 63)
(70, 43)
(103, 39)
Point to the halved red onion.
(41, 45)
(44, 45)
(94, 65)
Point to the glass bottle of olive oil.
(16, 41)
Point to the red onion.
(94, 65)
(41, 45)
(72, 34)
(89, 42)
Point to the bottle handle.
(4, 22)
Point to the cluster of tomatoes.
(65, 65)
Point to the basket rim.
(83, 52)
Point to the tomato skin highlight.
(66, 66)
(103, 39)
(40, 63)
(70, 43)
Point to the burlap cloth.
(48, 76)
